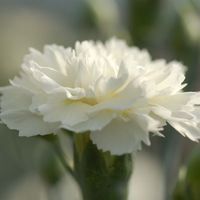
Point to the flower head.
(117, 93)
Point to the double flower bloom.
(115, 92)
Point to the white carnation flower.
(117, 93)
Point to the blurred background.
(168, 29)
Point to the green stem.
(101, 175)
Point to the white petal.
(123, 100)
(148, 123)
(184, 122)
(189, 129)
(54, 57)
(120, 137)
(170, 115)
(94, 122)
(46, 83)
(105, 87)
(26, 82)
(27, 123)
(69, 113)
(38, 100)
(175, 102)
(14, 98)
(168, 77)
(179, 107)
(52, 73)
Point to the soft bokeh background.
(167, 28)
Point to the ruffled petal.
(94, 122)
(191, 130)
(27, 123)
(121, 137)
(66, 112)
(179, 111)
(14, 98)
